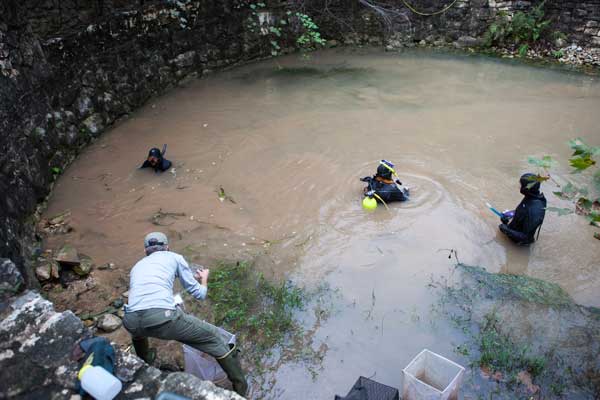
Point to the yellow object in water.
(369, 203)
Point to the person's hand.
(365, 179)
(202, 275)
(398, 182)
(505, 220)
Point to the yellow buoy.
(369, 203)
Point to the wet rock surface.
(11, 280)
(36, 345)
(194, 388)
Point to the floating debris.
(223, 196)
(158, 217)
(59, 224)
(106, 266)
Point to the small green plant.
(462, 350)
(307, 34)
(243, 301)
(310, 39)
(556, 35)
(55, 171)
(584, 157)
(558, 53)
(499, 353)
(521, 30)
(557, 388)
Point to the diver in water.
(156, 160)
(383, 187)
(529, 215)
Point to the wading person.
(383, 185)
(529, 214)
(151, 310)
(156, 160)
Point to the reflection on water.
(289, 147)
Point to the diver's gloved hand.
(503, 228)
(366, 179)
(505, 220)
(398, 182)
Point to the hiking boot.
(233, 369)
(143, 350)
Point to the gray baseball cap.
(156, 239)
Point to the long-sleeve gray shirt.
(151, 281)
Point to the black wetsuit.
(162, 165)
(387, 191)
(529, 215)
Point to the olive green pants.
(177, 325)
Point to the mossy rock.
(68, 255)
(84, 267)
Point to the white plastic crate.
(430, 376)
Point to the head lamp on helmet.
(385, 169)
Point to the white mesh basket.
(430, 376)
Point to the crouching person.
(151, 310)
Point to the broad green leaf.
(582, 162)
(577, 146)
(560, 211)
(523, 50)
(585, 204)
(594, 217)
(559, 194)
(544, 162)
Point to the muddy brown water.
(289, 146)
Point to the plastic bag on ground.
(205, 366)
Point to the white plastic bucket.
(100, 384)
(430, 376)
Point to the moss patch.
(521, 288)
(499, 353)
(512, 341)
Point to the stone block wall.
(70, 68)
(579, 20)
